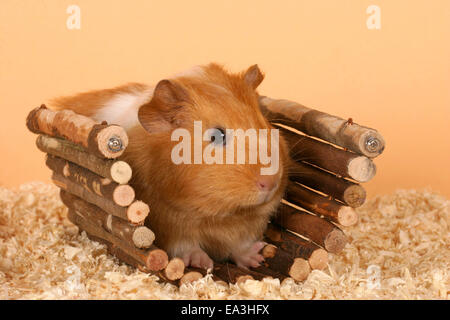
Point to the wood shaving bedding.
(398, 250)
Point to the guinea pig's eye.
(218, 136)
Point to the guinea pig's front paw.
(198, 258)
(249, 257)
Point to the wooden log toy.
(323, 155)
(190, 277)
(320, 205)
(135, 213)
(331, 158)
(139, 236)
(193, 274)
(314, 228)
(111, 248)
(173, 271)
(350, 193)
(297, 247)
(121, 194)
(103, 140)
(344, 133)
(116, 170)
(152, 259)
(281, 261)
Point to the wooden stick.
(341, 162)
(344, 133)
(102, 140)
(193, 274)
(120, 194)
(314, 202)
(172, 272)
(112, 250)
(116, 170)
(346, 191)
(312, 227)
(135, 213)
(139, 236)
(174, 269)
(278, 260)
(297, 247)
(190, 277)
(231, 273)
(153, 259)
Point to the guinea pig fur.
(199, 211)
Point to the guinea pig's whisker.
(277, 119)
(296, 147)
(297, 152)
(298, 172)
(303, 159)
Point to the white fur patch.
(123, 108)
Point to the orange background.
(318, 53)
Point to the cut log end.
(300, 269)
(123, 195)
(361, 169)
(157, 260)
(371, 144)
(143, 237)
(121, 172)
(347, 216)
(335, 241)
(190, 277)
(137, 212)
(45, 143)
(32, 117)
(269, 251)
(112, 141)
(318, 259)
(354, 196)
(174, 269)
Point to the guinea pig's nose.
(267, 183)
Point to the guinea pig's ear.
(164, 111)
(253, 76)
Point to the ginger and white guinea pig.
(199, 211)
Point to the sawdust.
(399, 250)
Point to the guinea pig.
(199, 211)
